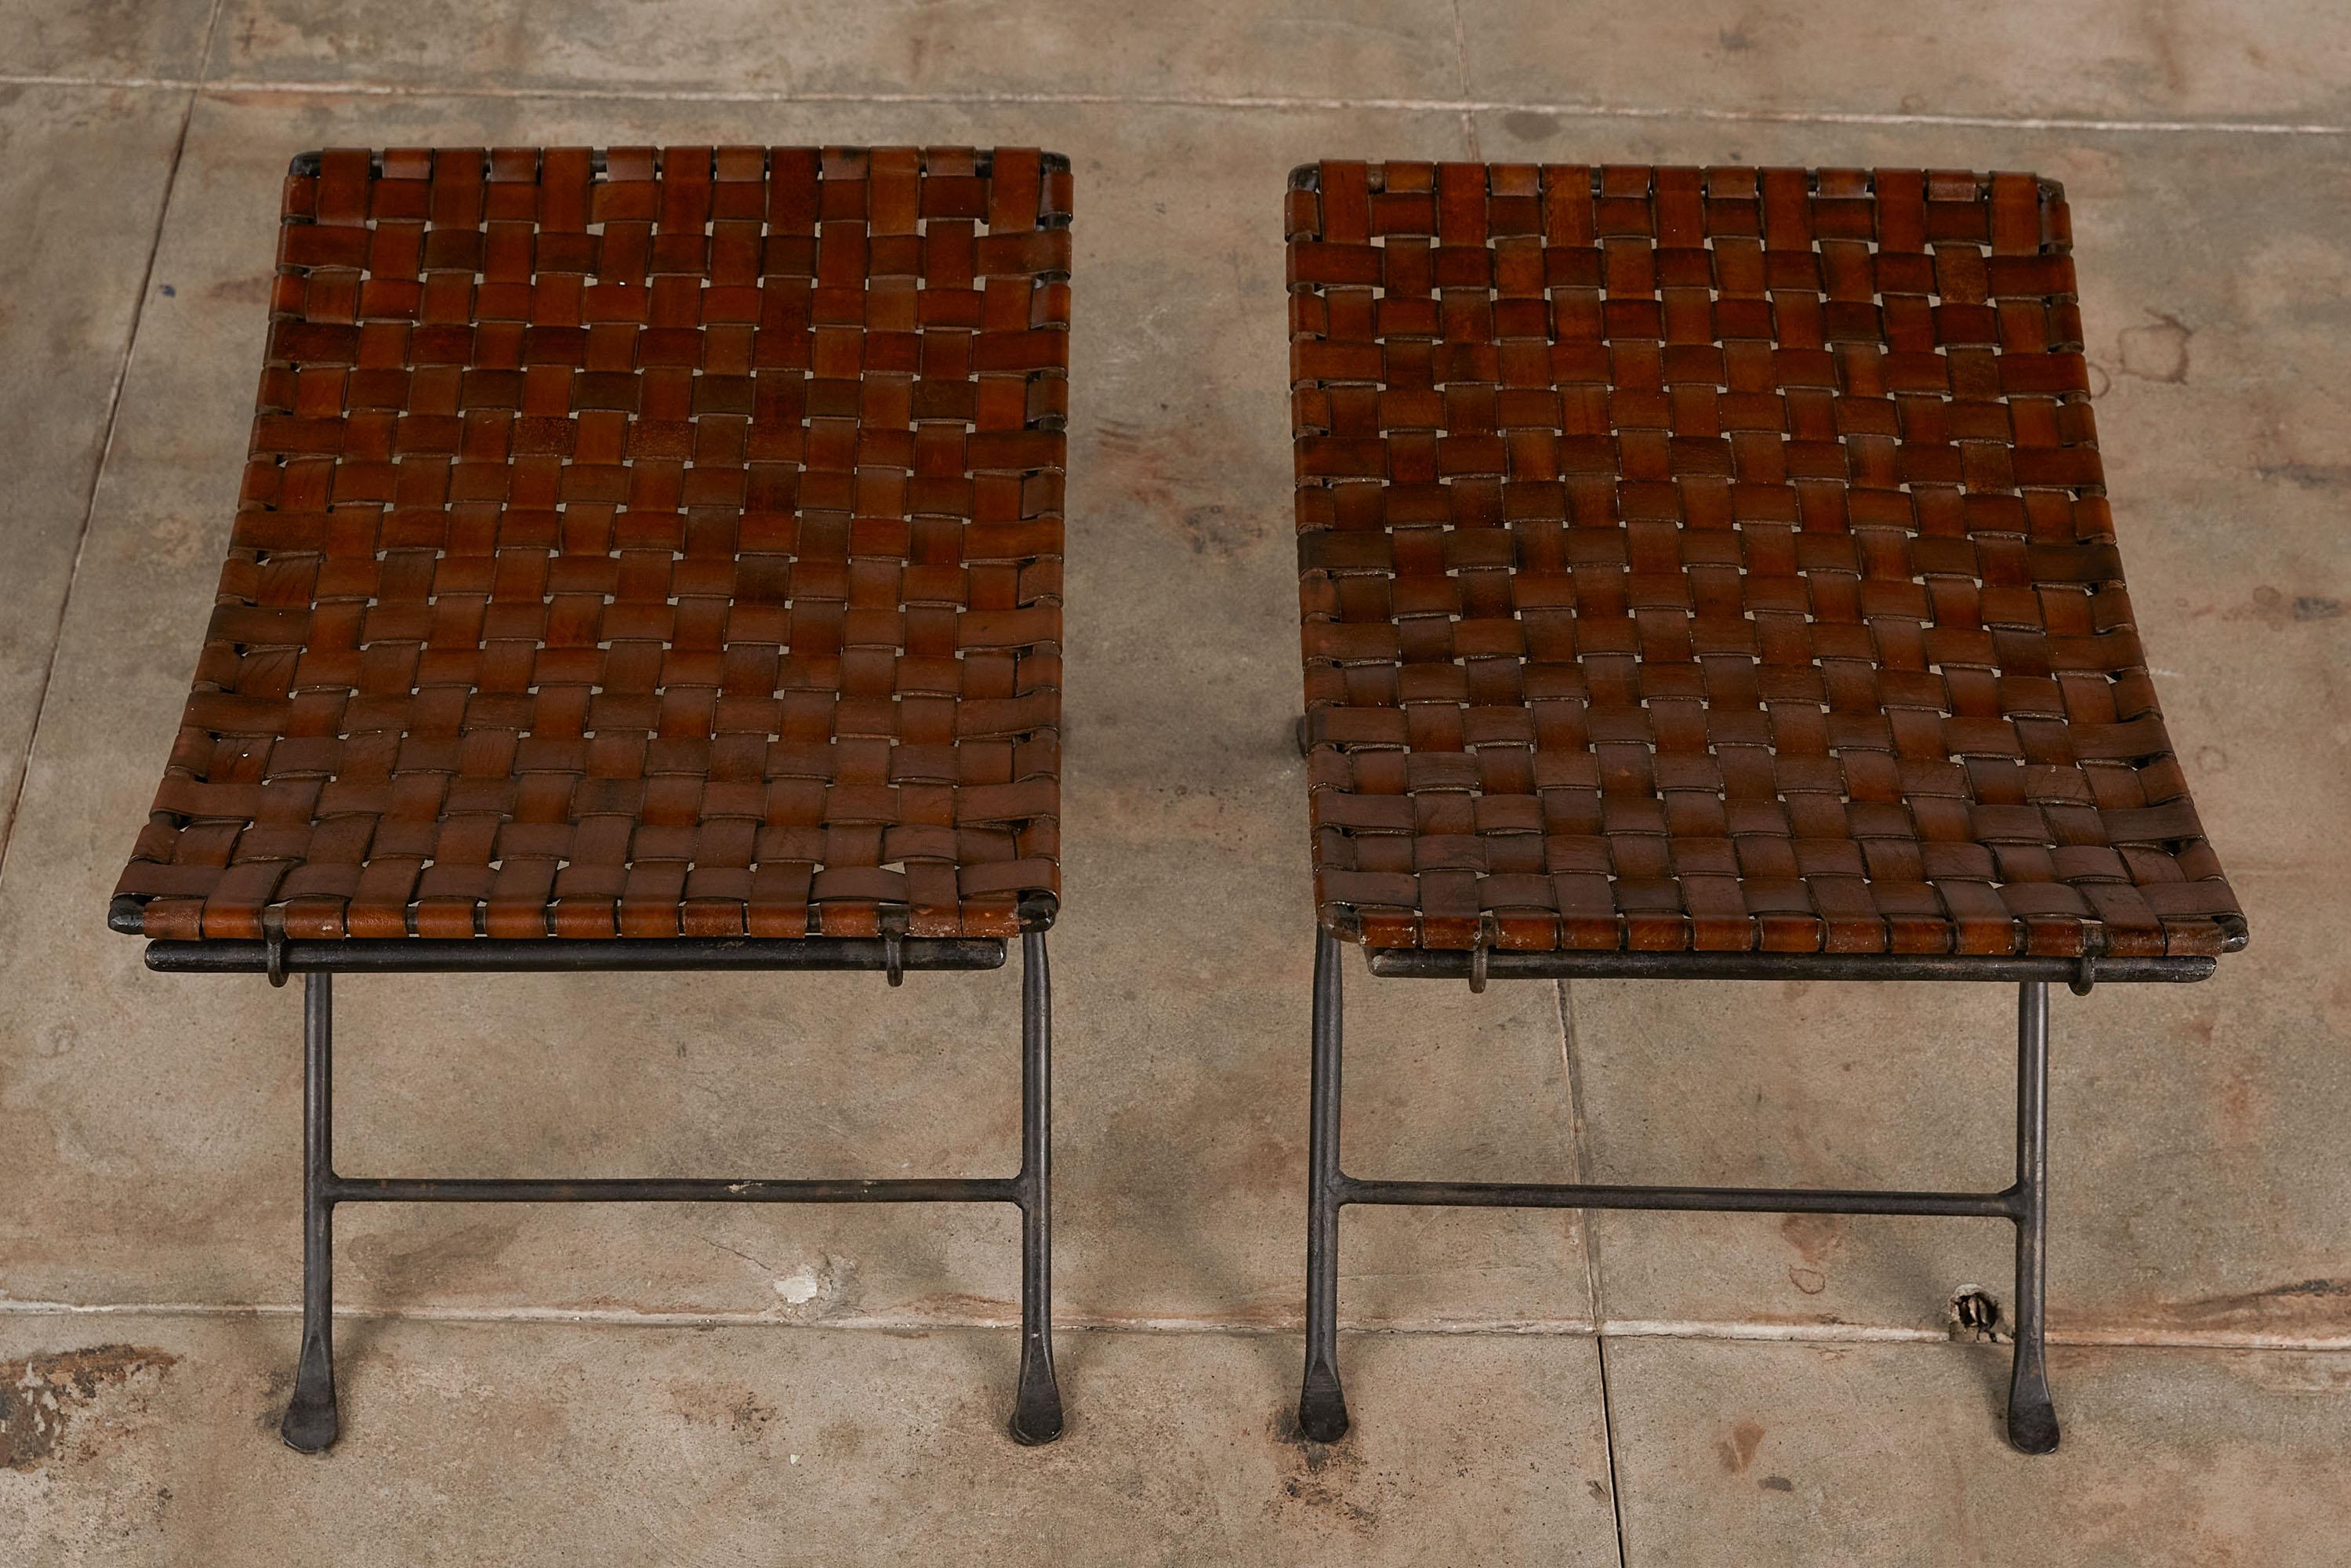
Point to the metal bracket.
(1488, 932)
(2085, 975)
(273, 938)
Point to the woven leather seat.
(646, 543)
(1719, 561)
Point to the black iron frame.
(2032, 1413)
(311, 1420)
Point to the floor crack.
(1608, 1437)
(1581, 1143)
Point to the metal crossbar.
(1502, 964)
(1728, 1199)
(669, 1189)
(430, 956)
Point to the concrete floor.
(827, 1385)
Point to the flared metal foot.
(1322, 1406)
(1037, 1408)
(311, 1423)
(2032, 1413)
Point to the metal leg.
(2032, 1414)
(1322, 1404)
(1037, 1408)
(310, 1423)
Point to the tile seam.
(1608, 1439)
(1587, 1233)
(1278, 102)
(1587, 1228)
(1794, 1333)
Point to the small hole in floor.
(1975, 1315)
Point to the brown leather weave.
(1719, 559)
(649, 543)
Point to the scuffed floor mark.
(1162, 470)
(2158, 351)
(2276, 609)
(1325, 1478)
(277, 1388)
(2326, 1375)
(408, 1262)
(2306, 475)
(1817, 1237)
(817, 1291)
(1738, 1450)
(41, 1395)
(737, 1407)
(2297, 1301)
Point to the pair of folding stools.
(651, 559)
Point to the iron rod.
(418, 955)
(1037, 1402)
(2032, 1411)
(669, 1189)
(1723, 1200)
(1427, 964)
(311, 1419)
(1322, 1400)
